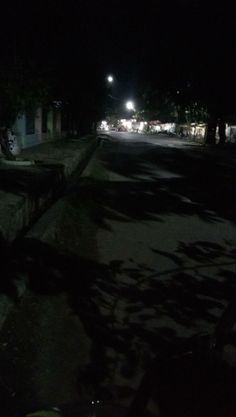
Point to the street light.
(110, 79)
(130, 105)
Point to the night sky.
(167, 43)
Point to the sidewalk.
(27, 191)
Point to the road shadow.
(34, 181)
(198, 178)
(131, 314)
(139, 201)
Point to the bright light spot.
(103, 125)
(110, 79)
(130, 105)
(126, 123)
(141, 126)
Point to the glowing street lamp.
(110, 79)
(130, 105)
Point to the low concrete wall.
(33, 189)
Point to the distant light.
(103, 125)
(110, 79)
(126, 123)
(130, 105)
(141, 126)
(177, 91)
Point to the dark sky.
(160, 42)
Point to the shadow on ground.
(167, 180)
(117, 304)
(131, 313)
(34, 181)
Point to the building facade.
(33, 128)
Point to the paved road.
(155, 139)
(137, 255)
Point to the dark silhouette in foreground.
(49, 272)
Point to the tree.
(155, 104)
(22, 88)
(216, 94)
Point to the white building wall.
(53, 128)
(19, 129)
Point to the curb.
(17, 162)
(28, 212)
(18, 211)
